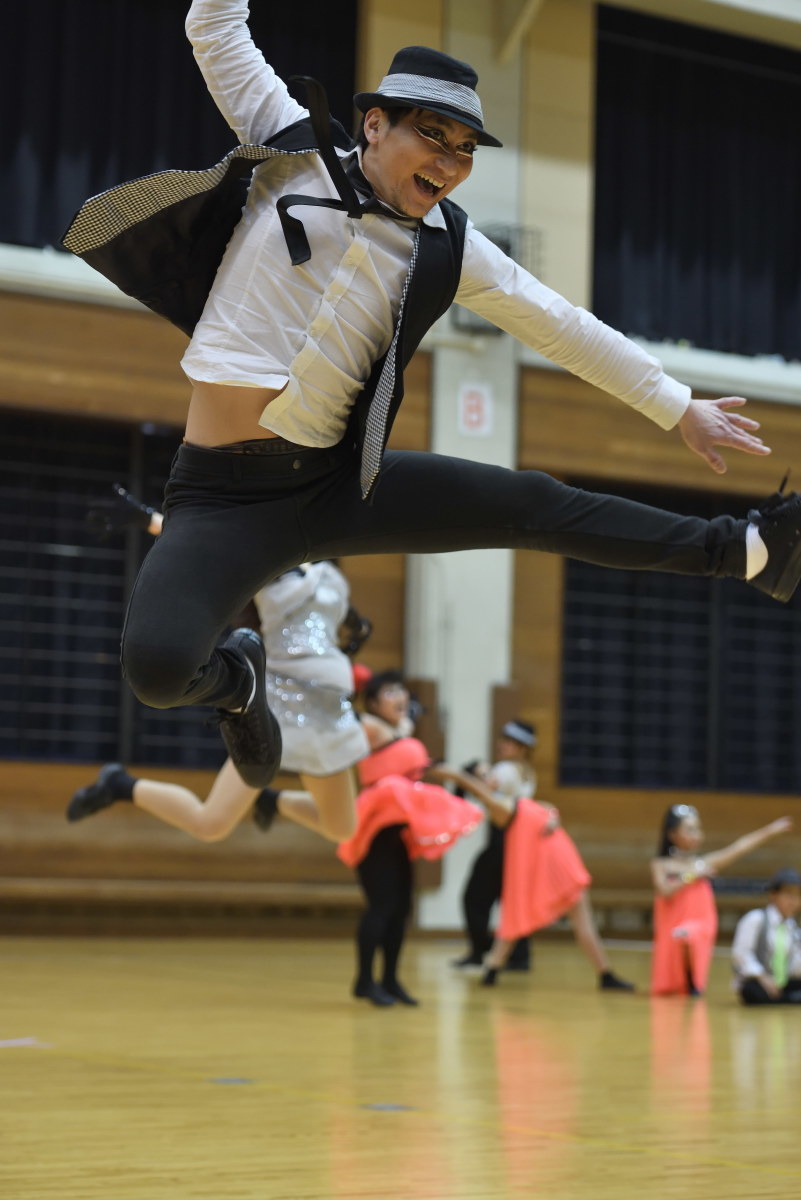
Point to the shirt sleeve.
(743, 948)
(504, 778)
(247, 91)
(500, 290)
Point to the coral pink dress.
(691, 909)
(543, 874)
(393, 794)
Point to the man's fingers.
(742, 422)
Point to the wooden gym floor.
(231, 1070)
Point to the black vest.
(161, 238)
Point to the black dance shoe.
(490, 977)
(374, 993)
(95, 796)
(778, 520)
(398, 992)
(265, 808)
(609, 982)
(252, 738)
(469, 960)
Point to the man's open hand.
(710, 423)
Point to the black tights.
(385, 874)
(233, 522)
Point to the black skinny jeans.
(233, 522)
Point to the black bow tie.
(356, 196)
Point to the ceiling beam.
(513, 29)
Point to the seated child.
(766, 952)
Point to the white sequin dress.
(309, 679)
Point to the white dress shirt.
(316, 330)
(746, 940)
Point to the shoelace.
(776, 500)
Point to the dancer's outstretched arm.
(719, 859)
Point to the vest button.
(297, 464)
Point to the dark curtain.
(698, 186)
(94, 92)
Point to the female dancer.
(309, 683)
(399, 819)
(685, 916)
(543, 879)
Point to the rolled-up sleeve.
(497, 288)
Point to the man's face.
(787, 899)
(417, 162)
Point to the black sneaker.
(95, 796)
(778, 520)
(252, 737)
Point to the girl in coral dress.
(544, 878)
(399, 818)
(685, 915)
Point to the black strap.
(349, 200)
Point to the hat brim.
(364, 101)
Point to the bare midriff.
(220, 413)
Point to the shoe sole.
(785, 586)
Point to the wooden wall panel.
(569, 428)
(90, 360)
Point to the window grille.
(677, 682)
(63, 597)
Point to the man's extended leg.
(429, 503)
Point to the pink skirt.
(434, 820)
(543, 875)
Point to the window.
(63, 596)
(677, 682)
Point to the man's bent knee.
(159, 676)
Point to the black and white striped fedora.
(423, 78)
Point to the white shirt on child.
(746, 939)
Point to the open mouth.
(428, 185)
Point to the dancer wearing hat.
(766, 951)
(544, 879)
(511, 775)
(304, 308)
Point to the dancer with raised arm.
(685, 914)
